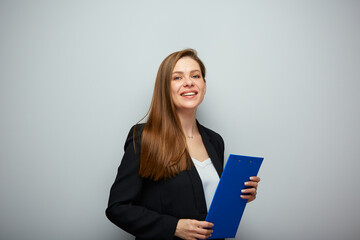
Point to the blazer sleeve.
(123, 209)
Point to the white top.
(209, 177)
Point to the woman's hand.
(191, 229)
(252, 190)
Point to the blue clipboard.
(227, 206)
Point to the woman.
(172, 164)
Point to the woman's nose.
(188, 81)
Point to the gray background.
(283, 83)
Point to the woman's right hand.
(191, 229)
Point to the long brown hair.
(164, 151)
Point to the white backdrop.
(283, 83)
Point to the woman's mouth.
(185, 94)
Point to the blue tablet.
(227, 206)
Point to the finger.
(251, 184)
(249, 191)
(255, 179)
(204, 224)
(202, 236)
(204, 231)
(248, 197)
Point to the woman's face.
(187, 85)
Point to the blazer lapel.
(217, 162)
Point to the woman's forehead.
(186, 64)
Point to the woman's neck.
(188, 123)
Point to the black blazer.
(151, 209)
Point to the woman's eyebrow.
(195, 70)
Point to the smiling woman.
(158, 192)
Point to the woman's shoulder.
(134, 135)
(136, 130)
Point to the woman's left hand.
(252, 190)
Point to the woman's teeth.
(189, 94)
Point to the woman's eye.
(177, 78)
(196, 76)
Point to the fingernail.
(242, 191)
(246, 183)
(252, 178)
